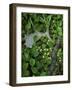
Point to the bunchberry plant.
(42, 44)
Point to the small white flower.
(59, 60)
(43, 56)
(47, 43)
(40, 50)
(46, 49)
(45, 53)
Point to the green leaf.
(25, 73)
(34, 51)
(32, 62)
(28, 25)
(25, 66)
(43, 74)
(36, 38)
(60, 33)
(48, 61)
(50, 44)
(26, 55)
(38, 65)
(43, 46)
(34, 70)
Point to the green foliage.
(43, 73)
(34, 70)
(34, 51)
(25, 73)
(25, 66)
(32, 62)
(39, 60)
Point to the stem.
(47, 26)
(48, 35)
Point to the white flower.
(45, 53)
(40, 50)
(43, 56)
(46, 49)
